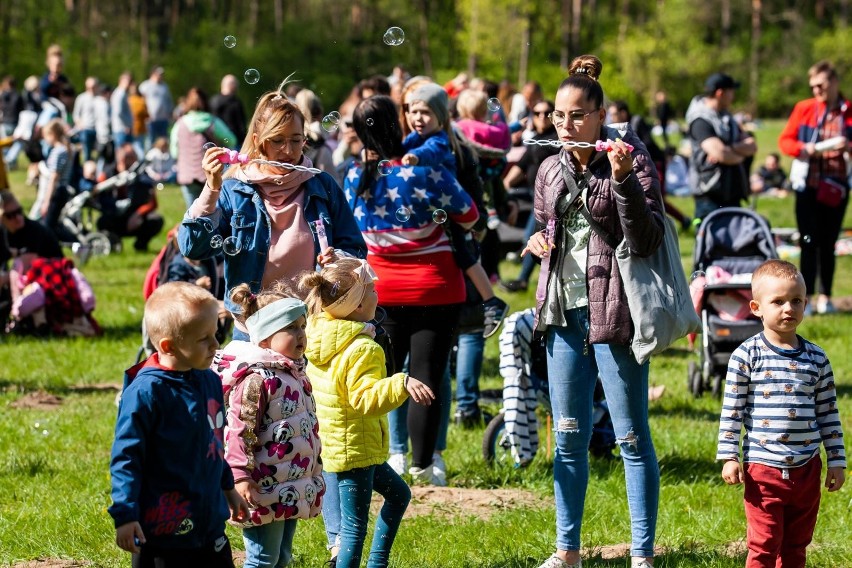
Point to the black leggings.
(819, 228)
(217, 554)
(426, 333)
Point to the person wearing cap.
(158, 99)
(819, 130)
(717, 175)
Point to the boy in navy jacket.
(171, 488)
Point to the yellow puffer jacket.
(347, 371)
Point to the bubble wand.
(599, 145)
(234, 157)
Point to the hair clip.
(583, 70)
(252, 297)
(335, 288)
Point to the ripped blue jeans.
(572, 376)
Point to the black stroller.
(731, 243)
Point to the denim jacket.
(240, 212)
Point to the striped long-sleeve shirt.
(785, 400)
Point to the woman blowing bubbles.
(584, 198)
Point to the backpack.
(159, 268)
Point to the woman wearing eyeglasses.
(580, 195)
(819, 131)
(263, 216)
(190, 133)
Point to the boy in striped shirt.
(780, 388)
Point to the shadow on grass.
(679, 559)
(25, 465)
(677, 467)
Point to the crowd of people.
(355, 256)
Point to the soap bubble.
(207, 224)
(403, 214)
(493, 104)
(385, 167)
(160, 187)
(695, 275)
(208, 145)
(230, 41)
(394, 36)
(329, 123)
(231, 246)
(806, 239)
(44, 432)
(335, 115)
(369, 122)
(216, 241)
(252, 76)
(439, 216)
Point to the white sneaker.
(641, 563)
(439, 469)
(556, 562)
(825, 306)
(425, 476)
(398, 463)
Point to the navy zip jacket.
(168, 468)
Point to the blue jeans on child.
(269, 545)
(356, 492)
(572, 377)
(468, 369)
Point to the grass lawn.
(54, 480)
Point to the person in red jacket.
(818, 131)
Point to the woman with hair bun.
(586, 202)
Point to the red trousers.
(781, 513)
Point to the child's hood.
(197, 121)
(239, 359)
(328, 336)
(152, 365)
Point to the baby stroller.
(170, 265)
(77, 222)
(731, 243)
(511, 437)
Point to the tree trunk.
(252, 22)
(144, 36)
(85, 35)
(565, 33)
(425, 50)
(576, 19)
(754, 56)
(725, 37)
(526, 37)
(278, 11)
(474, 31)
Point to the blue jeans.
(572, 377)
(398, 420)
(269, 545)
(468, 369)
(191, 192)
(331, 509)
(157, 129)
(87, 140)
(356, 492)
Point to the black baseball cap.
(720, 81)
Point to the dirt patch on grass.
(38, 400)
(448, 502)
(843, 303)
(102, 387)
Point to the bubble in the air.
(252, 76)
(207, 224)
(208, 145)
(806, 239)
(231, 246)
(695, 275)
(370, 122)
(216, 241)
(385, 167)
(493, 104)
(394, 36)
(230, 41)
(439, 216)
(329, 123)
(335, 115)
(160, 187)
(403, 214)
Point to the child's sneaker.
(426, 476)
(556, 562)
(641, 563)
(398, 463)
(439, 468)
(495, 310)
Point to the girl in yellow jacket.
(347, 370)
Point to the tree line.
(645, 45)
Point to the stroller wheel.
(695, 382)
(717, 385)
(496, 446)
(98, 243)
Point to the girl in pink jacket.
(271, 437)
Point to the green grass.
(54, 486)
